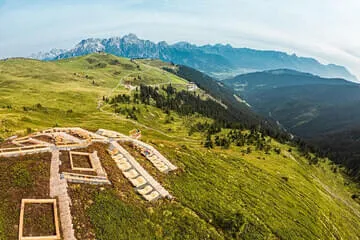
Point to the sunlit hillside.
(232, 192)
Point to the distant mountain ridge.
(220, 61)
(277, 78)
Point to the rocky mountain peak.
(131, 38)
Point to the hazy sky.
(325, 29)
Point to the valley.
(322, 111)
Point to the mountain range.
(219, 61)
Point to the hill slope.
(321, 110)
(218, 60)
(242, 192)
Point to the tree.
(248, 150)
(217, 140)
(208, 142)
(277, 150)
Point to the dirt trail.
(149, 128)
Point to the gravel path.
(58, 188)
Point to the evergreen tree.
(208, 142)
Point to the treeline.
(342, 147)
(169, 99)
(241, 112)
(187, 103)
(240, 138)
(184, 103)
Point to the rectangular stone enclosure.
(56, 220)
(87, 157)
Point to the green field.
(219, 193)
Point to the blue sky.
(324, 29)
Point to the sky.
(325, 29)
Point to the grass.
(219, 194)
(255, 189)
(128, 221)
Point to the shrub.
(277, 150)
(286, 179)
(114, 62)
(208, 142)
(231, 223)
(314, 161)
(248, 150)
(101, 65)
(91, 60)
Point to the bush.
(114, 62)
(91, 60)
(231, 223)
(286, 179)
(101, 65)
(248, 150)
(208, 142)
(314, 161)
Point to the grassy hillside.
(235, 193)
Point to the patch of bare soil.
(28, 143)
(39, 220)
(7, 144)
(45, 138)
(66, 166)
(77, 135)
(81, 161)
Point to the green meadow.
(219, 193)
